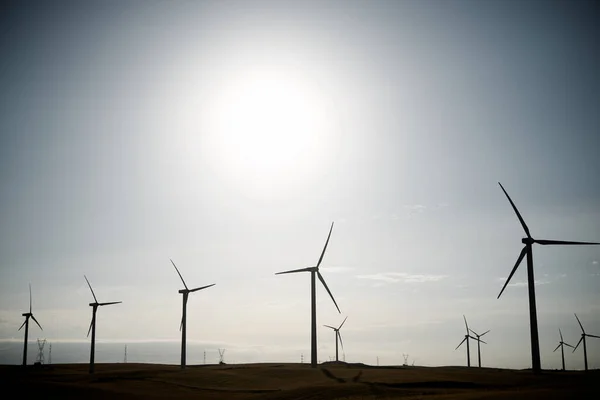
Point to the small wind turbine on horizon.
(479, 341)
(25, 323)
(337, 335)
(185, 292)
(314, 271)
(528, 251)
(466, 339)
(92, 328)
(582, 339)
(562, 344)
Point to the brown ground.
(294, 381)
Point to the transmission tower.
(125, 357)
(378, 361)
(204, 356)
(40, 356)
(405, 359)
(301, 358)
(50, 354)
(221, 356)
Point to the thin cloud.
(335, 270)
(595, 262)
(395, 277)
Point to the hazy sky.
(229, 135)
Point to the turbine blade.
(475, 333)
(109, 303)
(567, 344)
(342, 323)
(577, 345)
(341, 342)
(38, 324)
(557, 347)
(461, 343)
(178, 273)
(516, 211)
(479, 340)
(90, 329)
(545, 242)
(88, 282)
(324, 248)
(203, 287)
(594, 336)
(328, 291)
(582, 330)
(329, 326)
(181, 324)
(484, 332)
(294, 271)
(30, 298)
(467, 326)
(561, 337)
(523, 252)
(23, 324)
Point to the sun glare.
(269, 128)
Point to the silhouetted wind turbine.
(582, 339)
(313, 300)
(337, 335)
(26, 324)
(185, 292)
(561, 344)
(95, 306)
(479, 341)
(528, 250)
(466, 339)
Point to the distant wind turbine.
(92, 328)
(479, 341)
(466, 339)
(528, 250)
(25, 323)
(582, 339)
(313, 300)
(562, 344)
(185, 292)
(337, 335)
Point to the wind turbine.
(26, 324)
(185, 292)
(583, 335)
(313, 300)
(562, 345)
(92, 328)
(528, 250)
(479, 341)
(466, 339)
(337, 335)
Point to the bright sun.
(268, 128)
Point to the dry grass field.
(294, 381)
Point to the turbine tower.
(337, 335)
(582, 339)
(185, 292)
(479, 341)
(466, 339)
(25, 323)
(92, 328)
(528, 251)
(314, 271)
(562, 344)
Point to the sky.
(228, 136)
